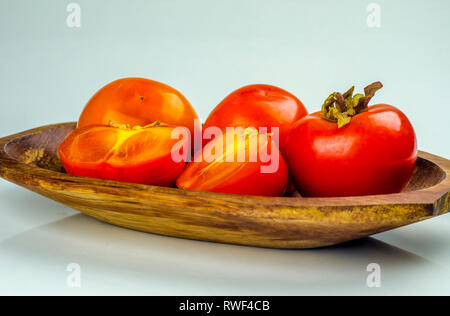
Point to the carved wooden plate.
(29, 159)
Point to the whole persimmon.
(352, 149)
(139, 101)
(258, 106)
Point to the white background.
(206, 49)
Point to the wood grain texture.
(29, 159)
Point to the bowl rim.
(429, 195)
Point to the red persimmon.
(350, 149)
(258, 106)
(248, 164)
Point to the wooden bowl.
(29, 159)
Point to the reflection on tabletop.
(119, 261)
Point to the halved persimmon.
(119, 152)
(238, 162)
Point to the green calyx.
(340, 108)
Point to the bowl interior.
(40, 150)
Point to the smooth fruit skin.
(257, 106)
(102, 152)
(236, 177)
(374, 154)
(139, 101)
